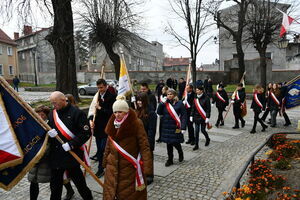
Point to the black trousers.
(170, 150)
(265, 115)
(286, 118)
(273, 117)
(220, 116)
(257, 119)
(191, 131)
(198, 127)
(77, 177)
(237, 114)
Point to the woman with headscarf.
(173, 124)
(127, 157)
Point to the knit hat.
(120, 104)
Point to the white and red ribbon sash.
(237, 97)
(257, 101)
(200, 109)
(220, 97)
(173, 114)
(186, 103)
(275, 98)
(161, 98)
(69, 136)
(137, 163)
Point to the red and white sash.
(220, 97)
(237, 97)
(186, 103)
(200, 109)
(161, 98)
(137, 163)
(69, 135)
(173, 114)
(257, 101)
(274, 98)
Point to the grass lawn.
(83, 103)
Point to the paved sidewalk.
(204, 174)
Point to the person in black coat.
(258, 104)
(181, 87)
(175, 84)
(61, 160)
(188, 105)
(159, 87)
(102, 107)
(283, 91)
(16, 82)
(221, 100)
(238, 101)
(274, 103)
(267, 111)
(210, 89)
(172, 129)
(151, 97)
(170, 83)
(149, 118)
(200, 119)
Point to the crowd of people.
(125, 132)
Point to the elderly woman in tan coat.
(127, 157)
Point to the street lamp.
(283, 43)
(33, 51)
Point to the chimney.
(27, 30)
(16, 35)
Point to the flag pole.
(45, 125)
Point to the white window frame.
(9, 53)
(1, 69)
(11, 70)
(94, 60)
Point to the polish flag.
(286, 22)
(10, 151)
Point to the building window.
(1, 50)
(269, 55)
(11, 70)
(9, 51)
(1, 69)
(23, 55)
(141, 62)
(235, 55)
(94, 59)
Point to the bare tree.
(196, 18)
(233, 20)
(110, 23)
(61, 37)
(263, 28)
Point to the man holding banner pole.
(70, 124)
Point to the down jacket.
(119, 179)
(168, 124)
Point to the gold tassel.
(140, 188)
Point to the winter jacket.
(272, 104)
(219, 103)
(76, 121)
(168, 124)
(119, 179)
(152, 100)
(190, 100)
(205, 104)
(255, 106)
(241, 100)
(181, 88)
(102, 115)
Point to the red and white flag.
(10, 150)
(188, 82)
(286, 22)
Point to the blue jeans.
(101, 143)
(197, 130)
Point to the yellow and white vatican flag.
(124, 80)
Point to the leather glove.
(66, 146)
(191, 119)
(206, 120)
(52, 133)
(164, 99)
(133, 99)
(182, 131)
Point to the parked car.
(91, 88)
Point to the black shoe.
(69, 195)
(235, 127)
(252, 131)
(180, 157)
(158, 141)
(193, 143)
(243, 123)
(222, 124)
(217, 125)
(169, 163)
(207, 142)
(196, 147)
(99, 174)
(287, 124)
(188, 142)
(264, 128)
(268, 122)
(149, 180)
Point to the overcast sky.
(156, 14)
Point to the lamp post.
(217, 42)
(33, 50)
(283, 43)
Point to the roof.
(6, 39)
(33, 33)
(169, 62)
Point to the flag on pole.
(188, 81)
(292, 97)
(30, 135)
(124, 81)
(286, 22)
